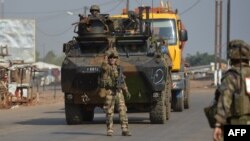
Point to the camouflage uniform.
(230, 87)
(162, 51)
(114, 96)
(166, 54)
(233, 105)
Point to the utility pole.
(215, 39)
(215, 44)
(220, 36)
(218, 41)
(228, 23)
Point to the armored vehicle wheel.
(168, 106)
(88, 115)
(168, 102)
(178, 103)
(168, 95)
(158, 109)
(73, 113)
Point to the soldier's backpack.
(211, 110)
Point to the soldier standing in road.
(114, 82)
(234, 92)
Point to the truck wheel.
(178, 101)
(88, 115)
(186, 100)
(158, 109)
(73, 113)
(186, 95)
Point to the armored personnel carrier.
(147, 75)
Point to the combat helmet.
(94, 7)
(238, 49)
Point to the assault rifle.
(120, 79)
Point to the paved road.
(47, 122)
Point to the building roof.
(43, 65)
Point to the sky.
(54, 18)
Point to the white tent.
(43, 65)
(48, 77)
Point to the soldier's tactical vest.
(241, 100)
(109, 77)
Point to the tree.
(58, 60)
(199, 59)
(49, 57)
(37, 56)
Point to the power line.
(43, 12)
(108, 2)
(53, 35)
(191, 7)
(137, 1)
(55, 11)
(50, 17)
(114, 7)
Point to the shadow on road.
(56, 112)
(79, 133)
(97, 120)
(44, 121)
(131, 120)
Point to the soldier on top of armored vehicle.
(163, 49)
(94, 23)
(132, 23)
(94, 10)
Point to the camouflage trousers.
(115, 99)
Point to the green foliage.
(58, 60)
(37, 56)
(200, 59)
(51, 58)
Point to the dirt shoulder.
(202, 84)
(50, 97)
(43, 97)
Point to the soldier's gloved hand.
(128, 95)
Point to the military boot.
(126, 133)
(110, 132)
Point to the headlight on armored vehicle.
(176, 76)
